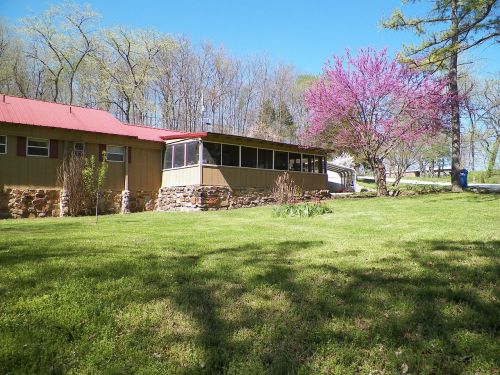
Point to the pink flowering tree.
(372, 104)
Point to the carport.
(340, 178)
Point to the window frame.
(203, 154)
(222, 155)
(80, 152)
(272, 164)
(28, 139)
(4, 144)
(287, 159)
(256, 157)
(302, 157)
(184, 143)
(293, 164)
(114, 153)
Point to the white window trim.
(84, 147)
(37, 139)
(185, 155)
(4, 144)
(114, 153)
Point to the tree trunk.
(493, 157)
(455, 106)
(380, 178)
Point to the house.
(149, 168)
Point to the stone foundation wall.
(205, 198)
(32, 203)
(22, 203)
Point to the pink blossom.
(371, 103)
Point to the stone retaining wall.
(32, 203)
(19, 203)
(22, 203)
(205, 198)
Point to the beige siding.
(181, 177)
(41, 172)
(28, 171)
(259, 178)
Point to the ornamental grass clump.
(301, 210)
(285, 190)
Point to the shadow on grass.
(259, 307)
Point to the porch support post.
(125, 209)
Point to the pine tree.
(466, 24)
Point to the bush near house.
(301, 209)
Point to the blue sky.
(302, 33)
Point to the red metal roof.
(55, 115)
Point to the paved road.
(493, 188)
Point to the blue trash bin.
(463, 178)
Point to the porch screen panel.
(294, 162)
(192, 153)
(211, 153)
(230, 155)
(167, 163)
(318, 164)
(281, 160)
(248, 157)
(307, 163)
(179, 155)
(265, 159)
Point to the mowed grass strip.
(379, 284)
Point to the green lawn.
(380, 284)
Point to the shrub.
(285, 190)
(425, 189)
(70, 177)
(301, 210)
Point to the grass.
(378, 285)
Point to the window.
(211, 153)
(307, 163)
(192, 153)
(37, 147)
(179, 155)
(281, 160)
(115, 154)
(3, 144)
(167, 163)
(231, 155)
(79, 148)
(265, 159)
(248, 157)
(294, 162)
(318, 164)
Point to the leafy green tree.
(465, 24)
(267, 113)
(285, 121)
(94, 176)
